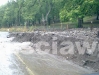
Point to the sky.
(2, 2)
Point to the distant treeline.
(46, 12)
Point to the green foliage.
(33, 12)
(78, 9)
(29, 12)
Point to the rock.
(92, 74)
(8, 36)
(98, 34)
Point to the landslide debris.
(73, 35)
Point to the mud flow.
(19, 54)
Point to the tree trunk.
(80, 22)
(18, 18)
(49, 21)
(39, 21)
(97, 18)
(45, 18)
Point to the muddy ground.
(87, 60)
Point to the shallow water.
(9, 64)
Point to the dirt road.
(12, 63)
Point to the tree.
(78, 9)
(30, 12)
(96, 8)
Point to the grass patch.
(56, 26)
(17, 29)
(89, 18)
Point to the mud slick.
(85, 59)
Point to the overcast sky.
(2, 2)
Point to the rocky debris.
(92, 74)
(98, 33)
(86, 59)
